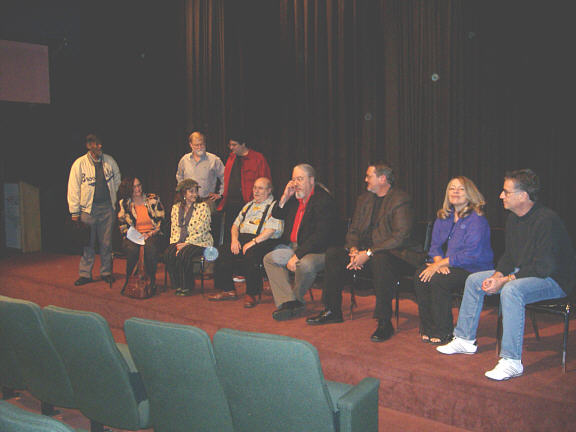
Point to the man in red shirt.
(310, 223)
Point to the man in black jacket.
(538, 264)
(310, 224)
(379, 235)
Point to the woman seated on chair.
(460, 246)
(143, 213)
(189, 236)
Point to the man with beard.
(203, 167)
(310, 223)
(92, 185)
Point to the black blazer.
(319, 226)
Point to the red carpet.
(421, 390)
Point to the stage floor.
(420, 388)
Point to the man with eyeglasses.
(203, 167)
(254, 233)
(538, 264)
(310, 226)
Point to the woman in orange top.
(145, 213)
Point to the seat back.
(178, 369)
(11, 377)
(41, 366)
(14, 419)
(107, 391)
(273, 383)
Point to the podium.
(22, 217)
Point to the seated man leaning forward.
(310, 221)
(379, 235)
(538, 264)
(254, 233)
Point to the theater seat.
(14, 419)
(107, 387)
(11, 378)
(41, 366)
(179, 372)
(275, 383)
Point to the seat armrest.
(358, 408)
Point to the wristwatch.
(369, 252)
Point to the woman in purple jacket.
(460, 246)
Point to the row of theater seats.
(172, 377)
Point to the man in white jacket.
(94, 180)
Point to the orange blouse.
(143, 222)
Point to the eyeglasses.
(508, 193)
(298, 179)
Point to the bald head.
(262, 189)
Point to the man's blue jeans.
(514, 295)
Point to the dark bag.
(139, 286)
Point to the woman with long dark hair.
(144, 213)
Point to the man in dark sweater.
(379, 236)
(310, 226)
(538, 264)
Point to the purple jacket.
(468, 242)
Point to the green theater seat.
(275, 383)
(14, 419)
(39, 362)
(178, 368)
(107, 387)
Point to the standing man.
(254, 233)
(538, 264)
(310, 226)
(94, 180)
(243, 167)
(379, 235)
(203, 167)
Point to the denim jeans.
(514, 295)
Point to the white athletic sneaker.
(458, 346)
(506, 369)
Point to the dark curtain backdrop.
(436, 88)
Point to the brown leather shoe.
(250, 301)
(223, 295)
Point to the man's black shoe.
(383, 332)
(288, 310)
(326, 317)
(109, 279)
(82, 281)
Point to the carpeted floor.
(420, 389)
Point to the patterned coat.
(127, 213)
(198, 227)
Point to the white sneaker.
(458, 346)
(239, 279)
(506, 369)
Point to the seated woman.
(145, 213)
(460, 246)
(189, 236)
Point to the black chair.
(559, 306)
(422, 233)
